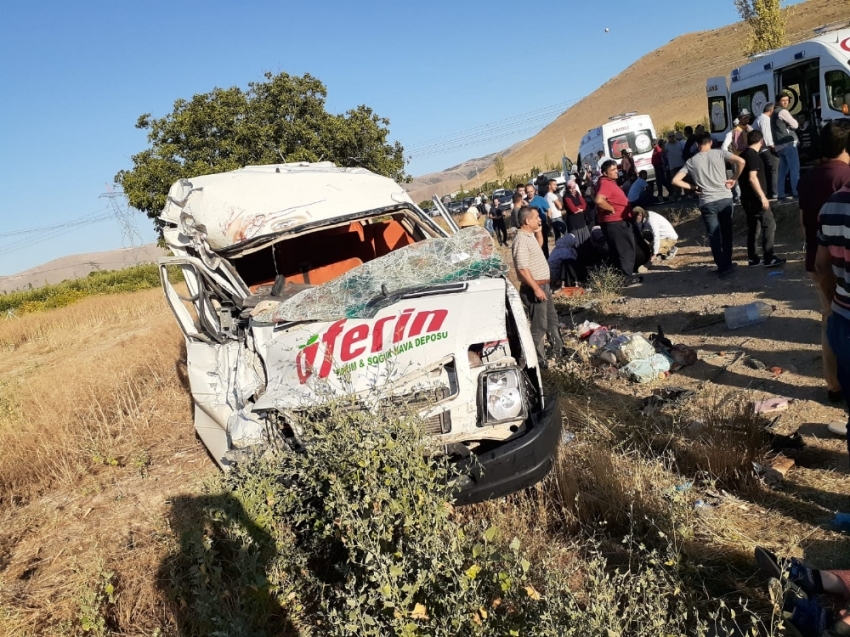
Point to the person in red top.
(658, 167)
(815, 187)
(613, 216)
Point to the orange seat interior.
(320, 257)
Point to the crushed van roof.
(234, 207)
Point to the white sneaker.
(838, 428)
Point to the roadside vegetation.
(51, 296)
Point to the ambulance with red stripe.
(815, 74)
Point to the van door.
(836, 94)
(206, 304)
(801, 83)
(719, 120)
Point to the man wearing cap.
(768, 152)
(708, 171)
(784, 127)
(532, 269)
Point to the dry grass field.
(102, 476)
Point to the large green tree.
(281, 119)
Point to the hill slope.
(668, 83)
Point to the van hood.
(414, 345)
(227, 209)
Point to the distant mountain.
(79, 265)
(450, 179)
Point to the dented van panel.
(361, 296)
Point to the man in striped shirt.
(533, 272)
(832, 262)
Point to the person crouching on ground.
(533, 272)
(756, 206)
(614, 214)
(661, 232)
(708, 170)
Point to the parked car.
(505, 198)
(309, 282)
(456, 207)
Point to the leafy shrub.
(357, 536)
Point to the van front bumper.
(518, 463)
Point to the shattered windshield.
(467, 255)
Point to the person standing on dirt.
(755, 204)
(675, 161)
(613, 215)
(497, 216)
(542, 206)
(556, 210)
(784, 127)
(815, 188)
(832, 264)
(708, 170)
(768, 152)
(658, 167)
(532, 270)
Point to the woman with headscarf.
(574, 209)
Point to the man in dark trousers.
(756, 206)
(708, 170)
(497, 216)
(534, 290)
(815, 188)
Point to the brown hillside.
(668, 83)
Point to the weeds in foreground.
(608, 282)
(357, 536)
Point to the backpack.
(782, 133)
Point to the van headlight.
(503, 396)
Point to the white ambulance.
(814, 73)
(628, 130)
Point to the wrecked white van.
(308, 281)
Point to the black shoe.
(730, 270)
(775, 261)
(753, 262)
(835, 396)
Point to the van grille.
(439, 424)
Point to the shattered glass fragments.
(467, 255)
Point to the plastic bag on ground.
(632, 347)
(646, 370)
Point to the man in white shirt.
(664, 237)
(556, 210)
(674, 153)
(601, 158)
(783, 126)
(768, 152)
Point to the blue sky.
(76, 76)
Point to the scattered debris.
(838, 428)
(753, 363)
(776, 371)
(841, 521)
(738, 316)
(779, 442)
(775, 473)
(665, 396)
(770, 405)
(567, 437)
(646, 370)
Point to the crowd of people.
(595, 219)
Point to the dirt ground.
(686, 299)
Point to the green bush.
(357, 535)
(140, 277)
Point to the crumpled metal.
(467, 255)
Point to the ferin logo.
(343, 345)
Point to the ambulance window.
(838, 91)
(753, 99)
(717, 114)
(639, 141)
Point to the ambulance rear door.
(719, 119)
